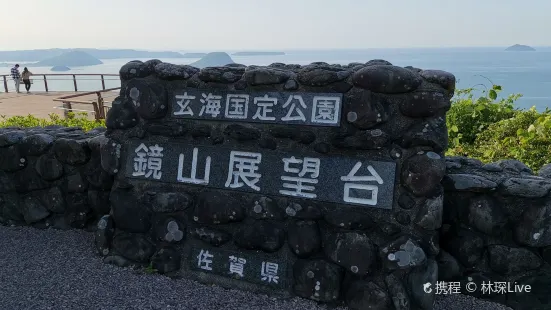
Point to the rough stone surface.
(386, 79)
(353, 251)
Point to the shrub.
(491, 129)
(79, 119)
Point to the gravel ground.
(50, 269)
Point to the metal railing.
(58, 77)
(100, 106)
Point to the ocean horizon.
(526, 73)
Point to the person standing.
(26, 76)
(16, 76)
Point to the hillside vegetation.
(490, 128)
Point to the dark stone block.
(433, 133)
(545, 171)
(304, 238)
(201, 131)
(241, 133)
(347, 219)
(402, 253)
(322, 147)
(260, 235)
(148, 99)
(306, 212)
(430, 213)
(72, 152)
(363, 140)
(266, 208)
(386, 79)
(166, 260)
(378, 62)
(508, 260)
(293, 133)
(28, 179)
(221, 74)
(449, 268)
(103, 237)
(6, 183)
(167, 202)
(465, 246)
(78, 210)
(11, 137)
(486, 216)
(526, 187)
(167, 71)
(48, 167)
(397, 292)
(10, 208)
(366, 109)
(217, 208)
(134, 69)
(442, 78)
(424, 104)
(76, 183)
(406, 201)
(32, 209)
(417, 279)
(266, 76)
(36, 145)
(151, 64)
(422, 173)
(321, 75)
(468, 183)
(135, 247)
(402, 218)
(52, 199)
(513, 165)
(96, 176)
(99, 201)
(168, 129)
(121, 115)
(317, 280)
(352, 250)
(534, 227)
(268, 143)
(211, 236)
(110, 153)
(291, 84)
(366, 295)
(11, 159)
(129, 214)
(169, 230)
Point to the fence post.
(45, 83)
(5, 84)
(100, 114)
(75, 82)
(67, 108)
(102, 82)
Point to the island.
(60, 68)
(70, 59)
(194, 55)
(520, 48)
(216, 59)
(258, 54)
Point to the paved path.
(50, 269)
(41, 104)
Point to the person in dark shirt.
(26, 76)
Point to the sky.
(209, 25)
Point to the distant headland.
(258, 53)
(520, 48)
(215, 59)
(194, 55)
(69, 59)
(38, 55)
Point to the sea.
(526, 73)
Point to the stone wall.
(52, 177)
(168, 133)
(497, 228)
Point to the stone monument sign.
(321, 181)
